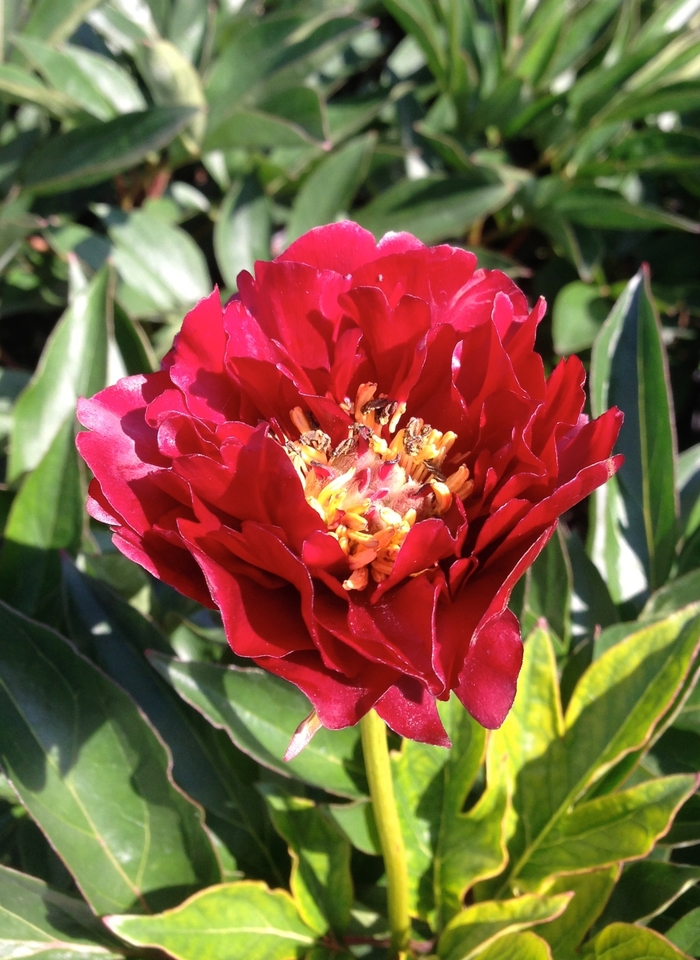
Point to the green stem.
(381, 789)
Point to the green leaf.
(268, 56)
(256, 130)
(591, 604)
(94, 776)
(548, 586)
(685, 933)
(622, 941)
(227, 922)
(38, 921)
(688, 482)
(47, 513)
(56, 20)
(434, 208)
(16, 83)
(613, 712)
(96, 83)
(357, 822)
(159, 259)
(529, 764)
(673, 596)
(95, 152)
(242, 229)
(606, 210)
(517, 946)
(330, 189)
(577, 316)
(417, 18)
(174, 82)
(321, 883)
(470, 846)
(646, 889)
(482, 924)
(621, 826)
(239, 701)
(633, 528)
(205, 762)
(590, 894)
(73, 364)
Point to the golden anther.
(443, 496)
(357, 580)
(456, 479)
(365, 392)
(300, 420)
(355, 521)
(362, 558)
(398, 413)
(390, 517)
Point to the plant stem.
(381, 789)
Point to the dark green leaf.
(94, 776)
(231, 920)
(356, 820)
(73, 364)
(577, 316)
(330, 189)
(159, 259)
(96, 83)
(685, 933)
(205, 763)
(96, 152)
(548, 590)
(242, 229)
(239, 701)
(56, 20)
(434, 208)
(633, 530)
(321, 883)
(646, 888)
(38, 921)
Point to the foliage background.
(152, 148)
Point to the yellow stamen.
(443, 496)
(357, 580)
(300, 420)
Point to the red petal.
(197, 361)
(410, 711)
(339, 702)
(342, 247)
(488, 680)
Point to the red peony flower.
(354, 460)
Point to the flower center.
(368, 490)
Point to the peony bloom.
(354, 460)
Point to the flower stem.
(381, 789)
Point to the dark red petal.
(122, 451)
(476, 303)
(169, 563)
(488, 680)
(338, 701)
(410, 711)
(342, 247)
(197, 361)
(426, 543)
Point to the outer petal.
(488, 680)
(342, 247)
(411, 712)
